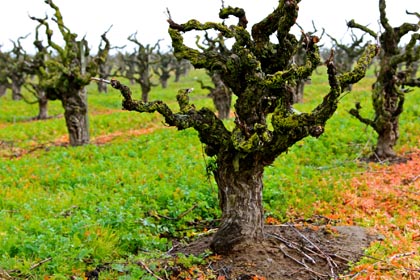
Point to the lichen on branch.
(210, 128)
(260, 73)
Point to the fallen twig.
(292, 258)
(4, 275)
(40, 263)
(398, 256)
(180, 215)
(306, 267)
(353, 275)
(330, 261)
(293, 246)
(340, 258)
(149, 270)
(409, 181)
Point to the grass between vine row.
(124, 197)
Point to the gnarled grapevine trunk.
(389, 91)
(3, 89)
(387, 138)
(222, 97)
(16, 91)
(258, 73)
(43, 106)
(76, 115)
(240, 194)
(388, 102)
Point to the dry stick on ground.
(353, 275)
(293, 259)
(409, 181)
(149, 270)
(221, 272)
(4, 275)
(319, 252)
(40, 263)
(292, 245)
(303, 264)
(179, 216)
(330, 261)
(295, 246)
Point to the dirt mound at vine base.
(287, 252)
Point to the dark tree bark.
(104, 69)
(75, 113)
(220, 93)
(240, 188)
(41, 100)
(221, 96)
(258, 72)
(388, 93)
(3, 89)
(43, 106)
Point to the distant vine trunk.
(145, 83)
(16, 91)
(3, 89)
(76, 115)
(298, 93)
(222, 96)
(43, 106)
(387, 139)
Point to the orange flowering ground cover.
(385, 198)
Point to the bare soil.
(287, 252)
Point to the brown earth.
(287, 252)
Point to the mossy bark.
(388, 93)
(348, 54)
(259, 73)
(388, 105)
